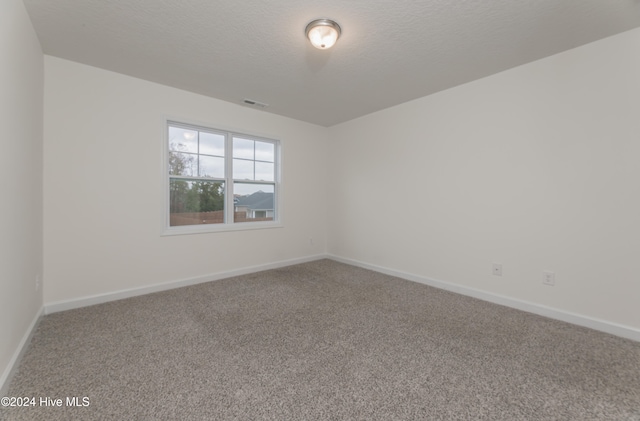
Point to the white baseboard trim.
(133, 292)
(12, 367)
(553, 313)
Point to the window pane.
(264, 171)
(253, 202)
(195, 202)
(183, 163)
(211, 144)
(242, 169)
(211, 166)
(203, 161)
(183, 140)
(265, 151)
(243, 148)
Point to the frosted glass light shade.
(323, 33)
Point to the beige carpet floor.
(322, 341)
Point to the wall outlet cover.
(549, 278)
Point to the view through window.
(218, 177)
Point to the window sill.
(214, 228)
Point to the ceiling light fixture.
(323, 33)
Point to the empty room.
(282, 210)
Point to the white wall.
(535, 168)
(21, 83)
(103, 198)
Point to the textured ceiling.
(391, 51)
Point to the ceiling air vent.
(255, 103)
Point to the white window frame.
(229, 208)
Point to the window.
(219, 180)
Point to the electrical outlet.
(497, 269)
(549, 278)
(37, 283)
